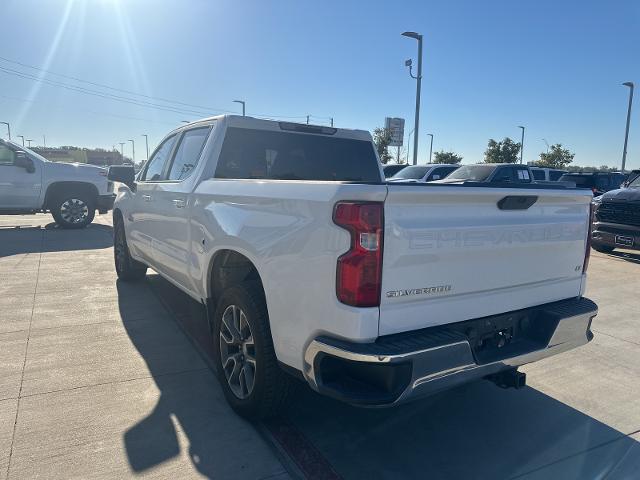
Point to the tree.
(447, 157)
(505, 151)
(382, 139)
(557, 157)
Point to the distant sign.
(396, 127)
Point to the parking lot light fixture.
(133, 151)
(146, 141)
(626, 132)
(243, 105)
(8, 128)
(29, 142)
(22, 137)
(521, 143)
(418, 79)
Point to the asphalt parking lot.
(103, 380)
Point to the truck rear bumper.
(405, 366)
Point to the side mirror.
(23, 161)
(123, 174)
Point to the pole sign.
(396, 127)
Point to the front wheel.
(252, 381)
(127, 268)
(74, 210)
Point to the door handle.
(147, 198)
(178, 202)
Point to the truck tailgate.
(451, 253)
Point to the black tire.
(73, 210)
(603, 248)
(128, 269)
(272, 387)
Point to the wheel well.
(230, 268)
(55, 189)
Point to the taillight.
(359, 272)
(587, 254)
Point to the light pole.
(22, 137)
(44, 141)
(146, 141)
(8, 128)
(122, 150)
(626, 133)
(521, 143)
(133, 151)
(29, 142)
(243, 105)
(546, 143)
(409, 145)
(418, 37)
(331, 121)
(431, 146)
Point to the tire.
(128, 269)
(244, 306)
(602, 248)
(73, 210)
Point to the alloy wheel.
(237, 351)
(74, 211)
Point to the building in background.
(95, 156)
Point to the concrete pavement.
(98, 381)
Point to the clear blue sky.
(555, 67)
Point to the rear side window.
(274, 155)
(7, 156)
(440, 173)
(188, 153)
(538, 174)
(555, 175)
(154, 171)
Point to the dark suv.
(616, 220)
(597, 182)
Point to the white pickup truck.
(29, 183)
(311, 265)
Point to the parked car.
(490, 173)
(423, 173)
(312, 266)
(597, 182)
(70, 192)
(546, 174)
(617, 219)
(393, 168)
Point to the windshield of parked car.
(414, 172)
(477, 173)
(635, 183)
(584, 181)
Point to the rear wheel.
(252, 381)
(74, 210)
(127, 268)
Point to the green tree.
(447, 157)
(505, 151)
(557, 157)
(382, 139)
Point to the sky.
(488, 66)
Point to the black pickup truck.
(616, 222)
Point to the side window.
(188, 153)
(7, 156)
(522, 175)
(503, 175)
(555, 175)
(538, 174)
(439, 173)
(155, 166)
